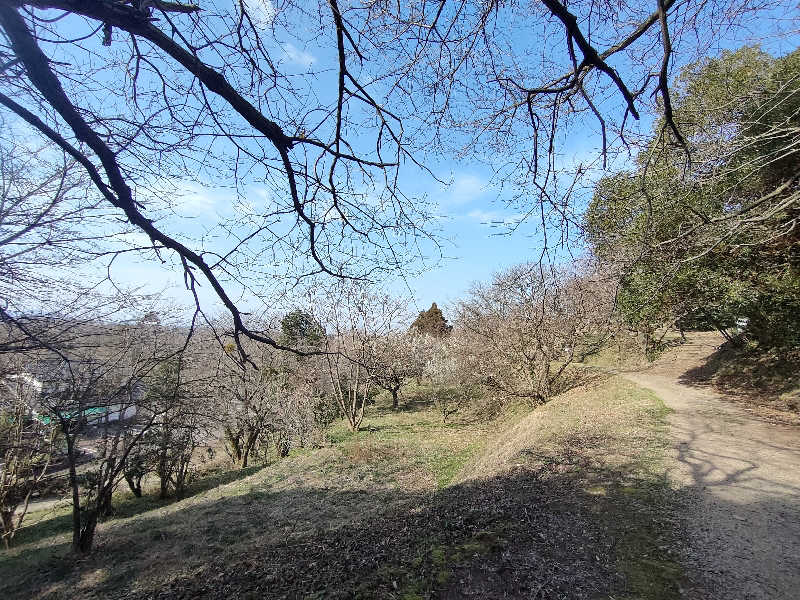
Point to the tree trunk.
(164, 489)
(76, 499)
(233, 443)
(249, 444)
(395, 401)
(236, 455)
(180, 483)
(281, 443)
(86, 534)
(163, 471)
(182, 471)
(104, 506)
(8, 526)
(135, 484)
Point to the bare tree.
(349, 379)
(449, 369)
(95, 394)
(509, 84)
(50, 229)
(248, 395)
(361, 322)
(27, 446)
(396, 357)
(248, 122)
(177, 393)
(179, 390)
(525, 330)
(178, 90)
(301, 413)
(81, 366)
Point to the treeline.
(703, 231)
(118, 403)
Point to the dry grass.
(407, 508)
(615, 421)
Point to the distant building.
(47, 387)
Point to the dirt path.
(744, 474)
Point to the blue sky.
(471, 210)
(473, 214)
(474, 242)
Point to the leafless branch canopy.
(307, 112)
(182, 92)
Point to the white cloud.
(262, 12)
(252, 201)
(299, 57)
(464, 189)
(194, 200)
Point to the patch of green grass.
(446, 466)
(340, 433)
(56, 523)
(394, 441)
(44, 524)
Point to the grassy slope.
(567, 501)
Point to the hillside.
(608, 491)
(569, 500)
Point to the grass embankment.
(767, 381)
(569, 500)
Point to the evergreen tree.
(300, 329)
(706, 242)
(432, 322)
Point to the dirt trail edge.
(744, 474)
